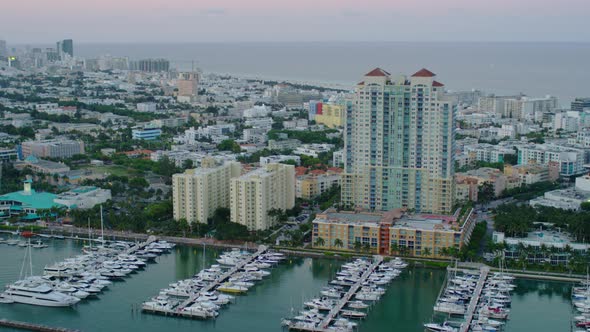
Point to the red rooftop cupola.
(377, 72)
(424, 73)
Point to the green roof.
(33, 199)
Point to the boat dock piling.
(32, 327)
(483, 275)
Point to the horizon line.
(317, 41)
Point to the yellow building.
(309, 186)
(255, 193)
(332, 115)
(392, 233)
(197, 193)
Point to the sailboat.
(35, 290)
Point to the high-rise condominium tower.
(399, 144)
(65, 46)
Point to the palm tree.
(338, 243)
(320, 242)
(394, 248)
(367, 248)
(426, 252)
(357, 246)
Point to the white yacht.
(38, 294)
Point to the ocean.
(535, 69)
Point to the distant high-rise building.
(65, 46)
(254, 194)
(151, 65)
(579, 104)
(3, 49)
(398, 150)
(188, 86)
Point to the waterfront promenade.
(82, 233)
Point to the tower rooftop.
(424, 73)
(377, 72)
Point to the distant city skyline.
(39, 21)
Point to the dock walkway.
(141, 245)
(32, 327)
(346, 298)
(212, 285)
(483, 275)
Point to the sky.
(41, 21)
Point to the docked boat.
(229, 287)
(434, 327)
(357, 305)
(353, 314)
(38, 294)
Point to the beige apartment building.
(197, 193)
(393, 232)
(255, 193)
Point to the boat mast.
(89, 234)
(101, 226)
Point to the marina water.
(536, 306)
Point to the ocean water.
(536, 69)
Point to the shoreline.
(301, 252)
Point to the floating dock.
(348, 295)
(224, 277)
(329, 322)
(32, 327)
(179, 310)
(483, 275)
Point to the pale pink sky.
(295, 20)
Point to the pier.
(151, 239)
(179, 309)
(346, 298)
(483, 274)
(32, 327)
(336, 310)
(211, 286)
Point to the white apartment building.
(54, 148)
(147, 107)
(571, 160)
(197, 193)
(257, 112)
(259, 191)
(84, 197)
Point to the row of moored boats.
(492, 308)
(203, 295)
(581, 304)
(353, 291)
(66, 283)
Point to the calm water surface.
(537, 306)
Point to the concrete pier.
(32, 327)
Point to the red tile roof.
(335, 169)
(378, 72)
(317, 172)
(361, 83)
(436, 83)
(300, 170)
(423, 73)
